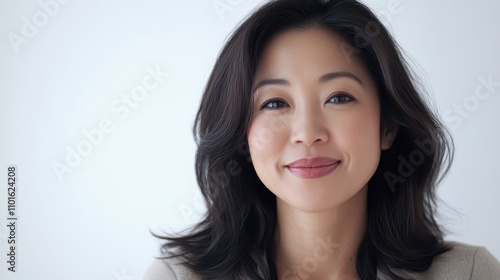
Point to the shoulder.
(471, 261)
(463, 261)
(168, 269)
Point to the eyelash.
(336, 96)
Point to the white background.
(94, 223)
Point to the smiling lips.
(316, 167)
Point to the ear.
(388, 135)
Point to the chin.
(325, 200)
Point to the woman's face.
(315, 99)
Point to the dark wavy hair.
(235, 238)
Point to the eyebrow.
(323, 79)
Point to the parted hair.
(235, 237)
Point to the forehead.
(308, 52)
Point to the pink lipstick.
(309, 168)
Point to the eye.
(341, 98)
(273, 104)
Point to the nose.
(308, 127)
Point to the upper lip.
(313, 162)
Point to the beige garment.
(464, 261)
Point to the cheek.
(266, 137)
(361, 138)
(266, 140)
(364, 129)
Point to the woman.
(317, 158)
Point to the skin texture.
(338, 118)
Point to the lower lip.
(313, 172)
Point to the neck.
(320, 245)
